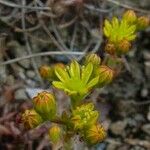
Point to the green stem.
(76, 100)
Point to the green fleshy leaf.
(58, 84)
(86, 73)
(106, 32)
(75, 69)
(61, 74)
(93, 82)
(115, 23)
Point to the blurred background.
(42, 32)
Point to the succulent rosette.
(76, 81)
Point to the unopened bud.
(106, 75)
(124, 46)
(143, 22)
(61, 65)
(110, 48)
(95, 134)
(31, 119)
(55, 133)
(130, 16)
(45, 105)
(93, 58)
(46, 72)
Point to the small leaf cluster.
(121, 32)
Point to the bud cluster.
(83, 78)
(120, 33)
(79, 80)
(84, 116)
(44, 109)
(85, 121)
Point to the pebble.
(148, 114)
(144, 92)
(111, 146)
(146, 55)
(2, 74)
(146, 128)
(30, 74)
(147, 69)
(118, 127)
(20, 94)
(19, 51)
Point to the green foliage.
(120, 33)
(31, 119)
(75, 80)
(94, 134)
(79, 80)
(45, 104)
(84, 116)
(116, 30)
(55, 133)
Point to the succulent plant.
(31, 119)
(106, 75)
(55, 133)
(95, 134)
(45, 104)
(84, 116)
(76, 81)
(116, 30)
(130, 16)
(93, 58)
(143, 22)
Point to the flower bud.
(93, 58)
(106, 75)
(57, 65)
(55, 133)
(143, 22)
(46, 72)
(84, 116)
(31, 119)
(95, 134)
(130, 16)
(124, 46)
(110, 48)
(45, 105)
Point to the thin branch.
(61, 42)
(92, 8)
(73, 37)
(86, 49)
(129, 7)
(10, 4)
(28, 47)
(39, 55)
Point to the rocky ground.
(124, 104)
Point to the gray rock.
(147, 69)
(148, 114)
(146, 128)
(144, 92)
(30, 74)
(111, 146)
(20, 51)
(20, 94)
(146, 55)
(2, 74)
(118, 127)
